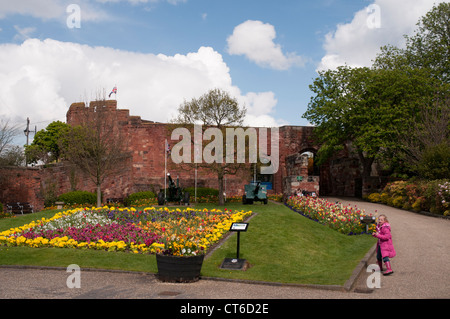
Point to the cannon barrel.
(257, 188)
(170, 180)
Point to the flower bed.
(345, 219)
(176, 232)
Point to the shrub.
(406, 206)
(78, 197)
(444, 194)
(435, 162)
(417, 206)
(384, 197)
(202, 191)
(374, 198)
(397, 201)
(433, 202)
(397, 188)
(4, 214)
(431, 196)
(139, 197)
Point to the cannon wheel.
(161, 198)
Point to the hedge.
(78, 197)
(202, 191)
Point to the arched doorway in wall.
(302, 173)
(313, 168)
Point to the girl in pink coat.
(385, 248)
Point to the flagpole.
(195, 183)
(165, 170)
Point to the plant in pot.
(179, 259)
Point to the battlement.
(78, 111)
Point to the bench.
(16, 208)
(59, 205)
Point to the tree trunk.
(220, 180)
(367, 169)
(99, 196)
(366, 163)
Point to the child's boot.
(389, 270)
(380, 264)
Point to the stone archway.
(301, 173)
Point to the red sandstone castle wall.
(19, 184)
(145, 141)
(145, 171)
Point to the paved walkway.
(421, 270)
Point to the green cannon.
(254, 192)
(174, 193)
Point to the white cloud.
(382, 22)
(255, 40)
(40, 79)
(260, 107)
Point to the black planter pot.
(179, 268)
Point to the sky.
(160, 53)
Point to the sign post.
(367, 220)
(236, 263)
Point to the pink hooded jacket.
(385, 240)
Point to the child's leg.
(379, 259)
(388, 266)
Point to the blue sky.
(161, 52)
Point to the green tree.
(374, 109)
(364, 108)
(423, 148)
(428, 49)
(45, 146)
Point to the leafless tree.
(432, 130)
(7, 134)
(215, 109)
(10, 155)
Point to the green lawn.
(280, 245)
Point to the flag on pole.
(114, 90)
(167, 148)
(166, 151)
